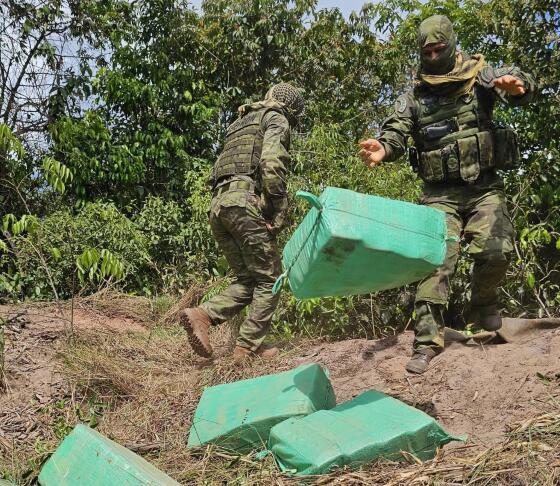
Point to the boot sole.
(416, 370)
(196, 344)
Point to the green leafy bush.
(46, 255)
(178, 240)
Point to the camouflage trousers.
(481, 220)
(251, 251)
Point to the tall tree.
(48, 50)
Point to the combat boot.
(264, 352)
(197, 323)
(420, 360)
(486, 317)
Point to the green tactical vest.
(457, 140)
(243, 146)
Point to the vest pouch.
(486, 150)
(431, 166)
(506, 148)
(469, 162)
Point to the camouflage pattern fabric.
(401, 123)
(433, 30)
(476, 210)
(476, 213)
(239, 219)
(240, 231)
(270, 179)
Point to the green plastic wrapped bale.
(239, 415)
(87, 458)
(371, 426)
(351, 243)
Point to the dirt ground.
(473, 389)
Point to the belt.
(230, 186)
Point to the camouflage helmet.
(289, 96)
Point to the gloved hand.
(279, 211)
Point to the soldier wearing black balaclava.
(457, 150)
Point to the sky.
(345, 6)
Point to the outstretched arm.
(509, 83)
(391, 144)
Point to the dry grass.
(111, 303)
(190, 298)
(152, 389)
(163, 309)
(143, 389)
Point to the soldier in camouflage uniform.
(457, 149)
(248, 209)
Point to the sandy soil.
(33, 336)
(473, 389)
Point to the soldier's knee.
(246, 281)
(266, 280)
(493, 257)
(493, 249)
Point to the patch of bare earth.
(139, 384)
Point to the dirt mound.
(141, 386)
(475, 389)
(33, 335)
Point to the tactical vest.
(457, 140)
(243, 147)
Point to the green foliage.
(134, 125)
(96, 265)
(11, 148)
(72, 252)
(17, 226)
(152, 116)
(57, 174)
(178, 242)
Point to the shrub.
(46, 255)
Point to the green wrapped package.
(351, 243)
(238, 416)
(85, 457)
(371, 426)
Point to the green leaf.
(27, 26)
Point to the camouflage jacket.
(271, 177)
(402, 123)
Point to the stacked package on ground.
(239, 415)
(351, 243)
(85, 457)
(371, 426)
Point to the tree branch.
(15, 87)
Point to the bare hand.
(372, 152)
(510, 84)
